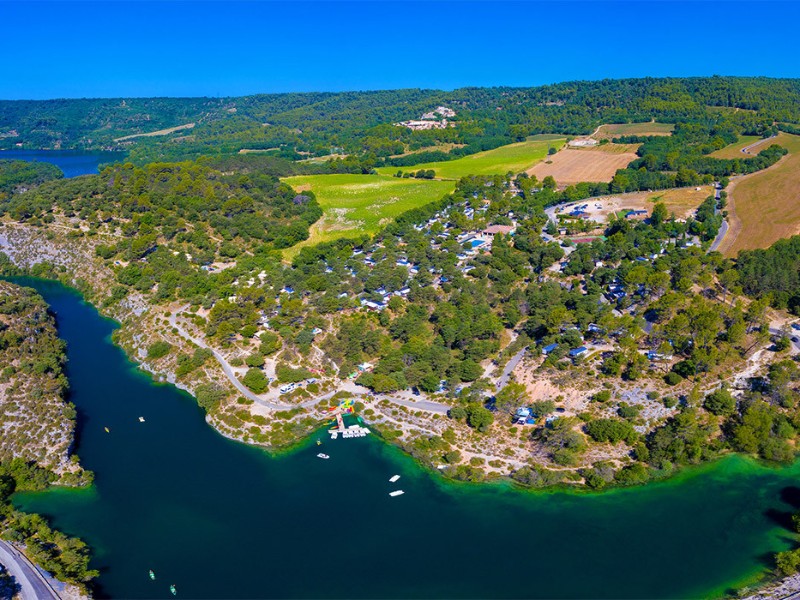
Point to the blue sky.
(183, 48)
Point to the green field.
(513, 157)
(354, 204)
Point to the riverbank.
(186, 489)
(271, 420)
(265, 420)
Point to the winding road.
(401, 398)
(33, 584)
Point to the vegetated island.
(575, 332)
(38, 427)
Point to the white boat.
(141, 419)
(321, 455)
(394, 478)
(396, 493)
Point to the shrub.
(602, 396)
(788, 562)
(632, 474)
(255, 360)
(452, 457)
(209, 395)
(287, 374)
(628, 411)
(720, 403)
(158, 350)
(255, 380)
(479, 417)
(672, 378)
(611, 430)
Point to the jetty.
(354, 431)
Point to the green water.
(222, 520)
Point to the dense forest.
(19, 175)
(317, 124)
(207, 214)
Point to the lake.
(223, 520)
(72, 162)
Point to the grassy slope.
(513, 157)
(766, 205)
(363, 203)
(735, 150)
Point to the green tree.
(255, 380)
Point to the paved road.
(776, 330)
(402, 398)
(426, 405)
(723, 229)
(33, 584)
(227, 369)
(510, 366)
(746, 149)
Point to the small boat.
(321, 455)
(319, 443)
(174, 590)
(152, 575)
(107, 429)
(394, 478)
(141, 419)
(396, 493)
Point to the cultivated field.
(591, 164)
(764, 207)
(354, 204)
(617, 129)
(513, 157)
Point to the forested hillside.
(317, 124)
(19, 175)
(208, 214)
(37, 423)
(631, 337)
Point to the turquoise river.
(223, 520)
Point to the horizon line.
(390, 89)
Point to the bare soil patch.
(574, 166)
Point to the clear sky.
(184, 48)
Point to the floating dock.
(354, 431)
(396, 493)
